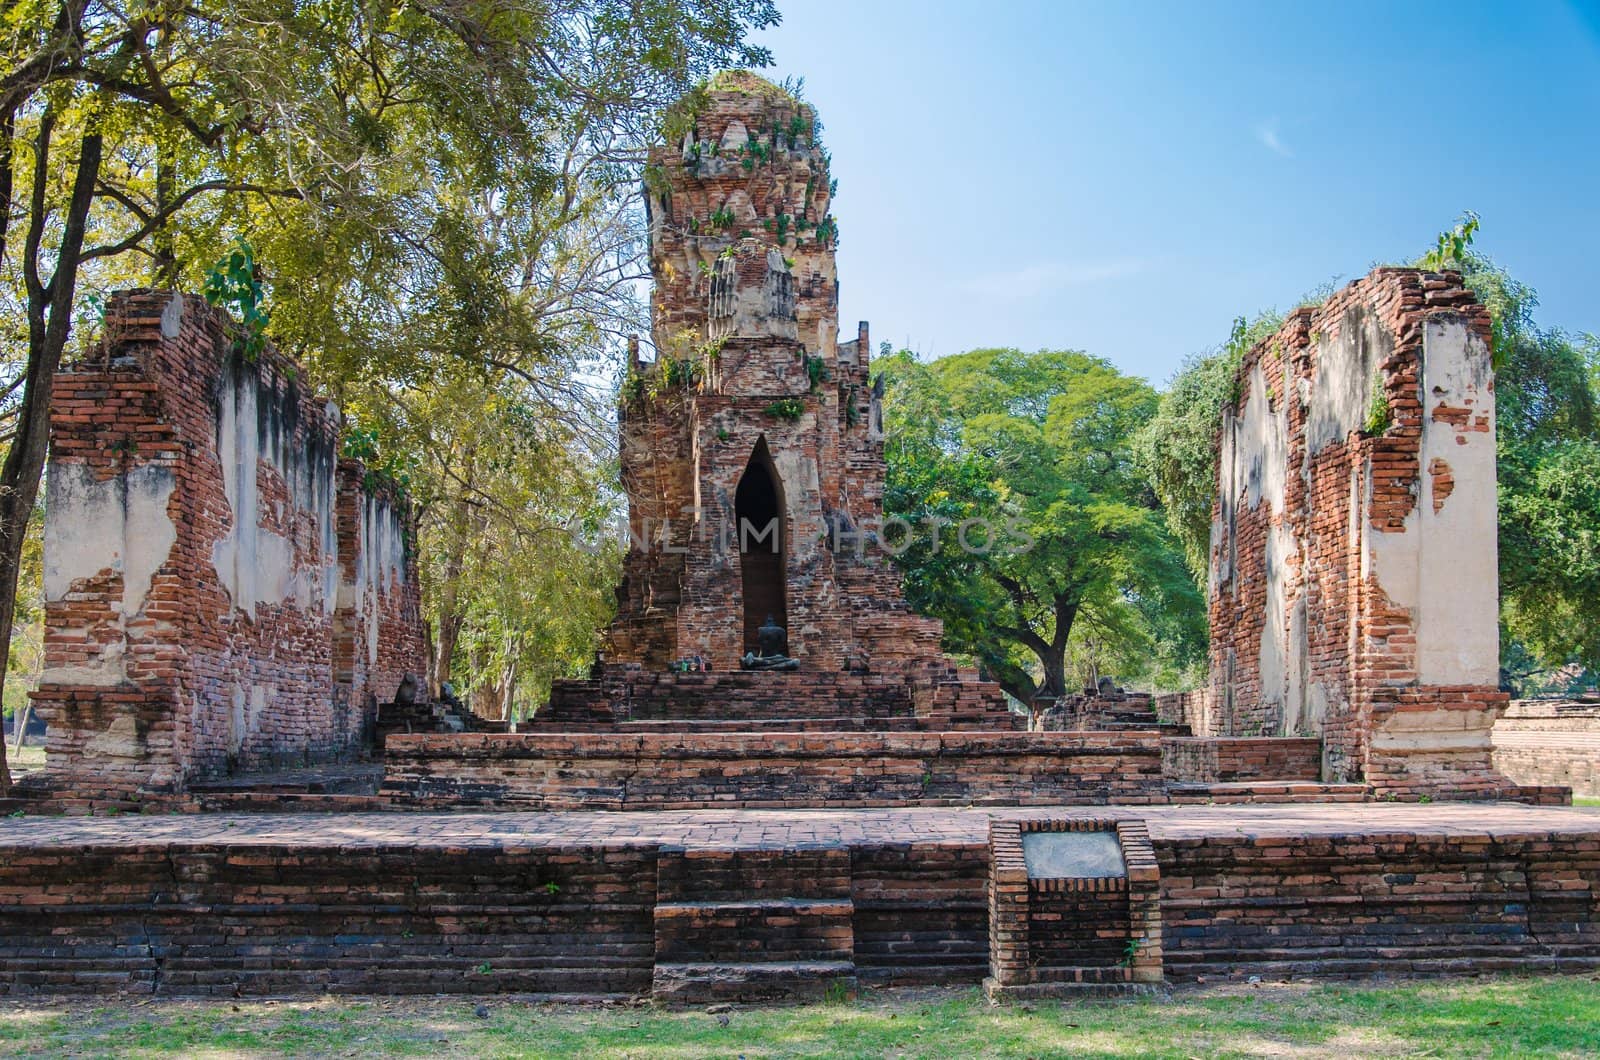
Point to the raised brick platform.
(651, 770)
(570, 903)
(1545, 742)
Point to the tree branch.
(160, 217)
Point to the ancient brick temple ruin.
(226, 595)
(1354, 587)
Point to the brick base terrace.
(696, 904)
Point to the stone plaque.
(1068, 855)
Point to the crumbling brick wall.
(1353, 585)
(221, 591)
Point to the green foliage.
(382, 468)
(817, 372)
(1379, 415)
(680, 372)
(790, 409)
(1037, 446)
(1451, 250)
(1548, 437)
(1177, 448)
(233, 284)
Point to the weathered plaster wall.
(1353, 585)
(207, 558)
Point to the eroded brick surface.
(1353, 587)
(223, 591)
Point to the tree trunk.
(1054, 660)
(451, 618)
(49, 321)
(24, 716)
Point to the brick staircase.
(753, 925)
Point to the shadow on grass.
(1504, 1017)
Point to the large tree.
(1036, 446)
(424, 181)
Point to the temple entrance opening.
(758, 511)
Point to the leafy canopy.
(1036, 446)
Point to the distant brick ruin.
(222, 590)
(1354, 586)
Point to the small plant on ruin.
(827, 230)
(721, 218)
(817, 372)
(485, 968)
(634, 388)
(552, 887)
(782, 230)
(852, 414)
(235, 285)
(1379, 416)
(722, 434)
(680, 371)
(1130, 952)
(1450, 249)
(789, 409)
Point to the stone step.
(753, 923)
(697, 983)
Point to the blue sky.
(1126, 178)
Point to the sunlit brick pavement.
(780, 828)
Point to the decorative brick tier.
(934, 696)
(596, 904)
(1222, 759)
(686, 770)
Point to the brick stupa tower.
(753, 417)
(752, 446)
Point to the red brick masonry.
(648, 770)
(223, 591)
(1544, 742)
(562, 903)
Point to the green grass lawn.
(1494, 1017)
(1585, 800)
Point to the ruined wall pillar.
(1354, 583)
(207, 557)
